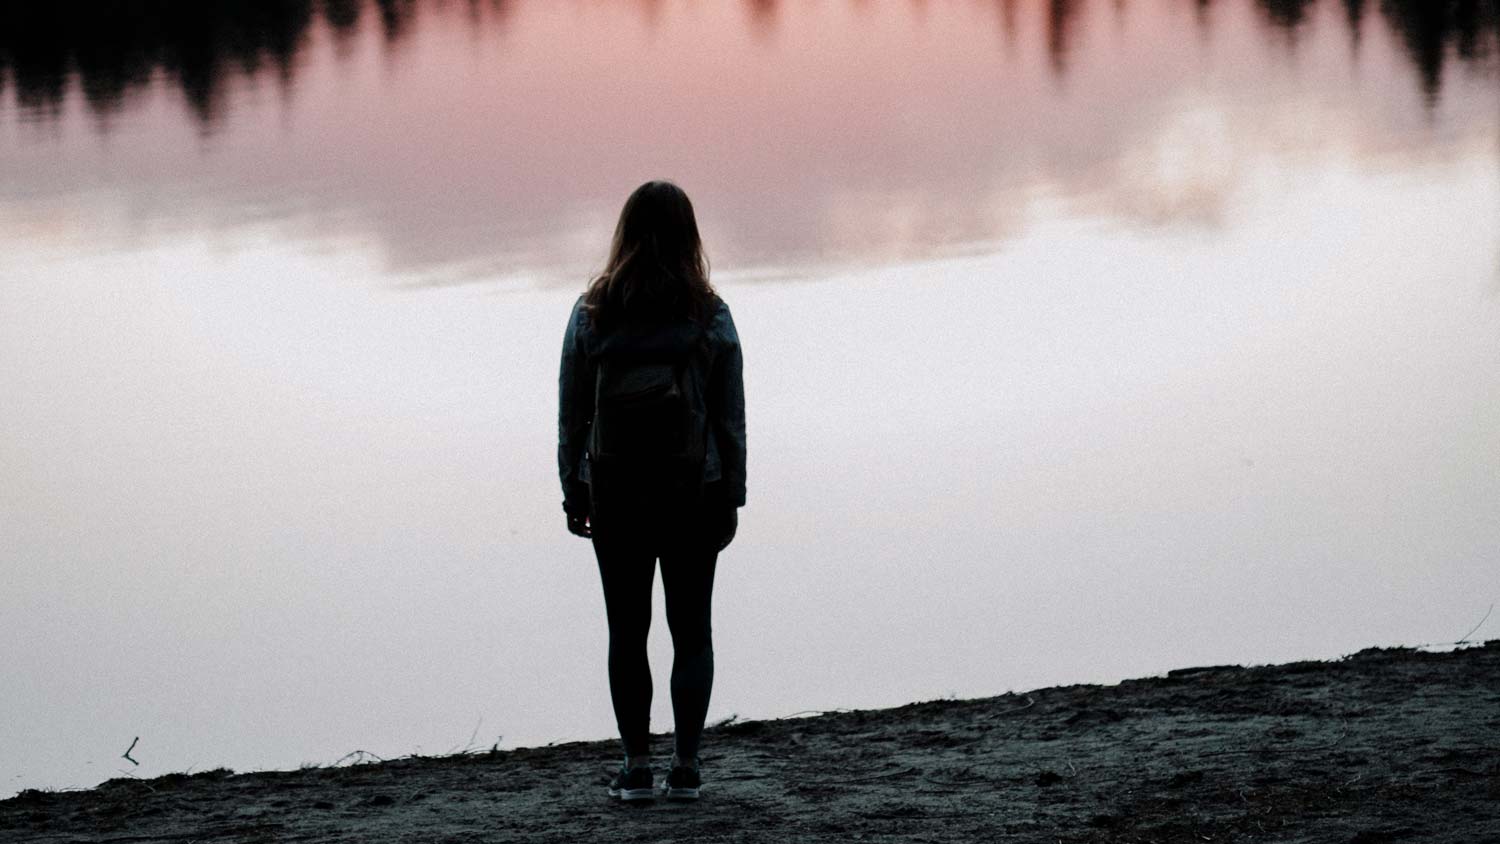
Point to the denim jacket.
(723, 390)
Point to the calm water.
(1084, 340)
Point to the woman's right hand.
(579, 526)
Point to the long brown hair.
(656, 268)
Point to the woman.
(651, 450)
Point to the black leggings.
(628, 547)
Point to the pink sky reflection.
(809, 134)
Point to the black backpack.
(650, 419)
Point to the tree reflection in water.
(112, 52)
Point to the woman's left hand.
(728, 526)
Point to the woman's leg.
(627, 568)
(687, 577)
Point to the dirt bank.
(1385, 745)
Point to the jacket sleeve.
(726, 400)
(575, 413)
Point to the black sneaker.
(682, 783)
(633, 784)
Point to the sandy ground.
(1383, 746)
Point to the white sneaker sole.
(682, 794)
(629, 794)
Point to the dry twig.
(359, 756)
(1475, 629)
(1030, 702)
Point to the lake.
(1083, 340)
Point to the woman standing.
(651, 451)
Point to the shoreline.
(1381, 745)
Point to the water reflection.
(114, 50)
(1288, 14)
(111, 52)
(1429, 30)
(762, 16)
(473, 139)
(1061, 17)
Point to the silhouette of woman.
(651, 451)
